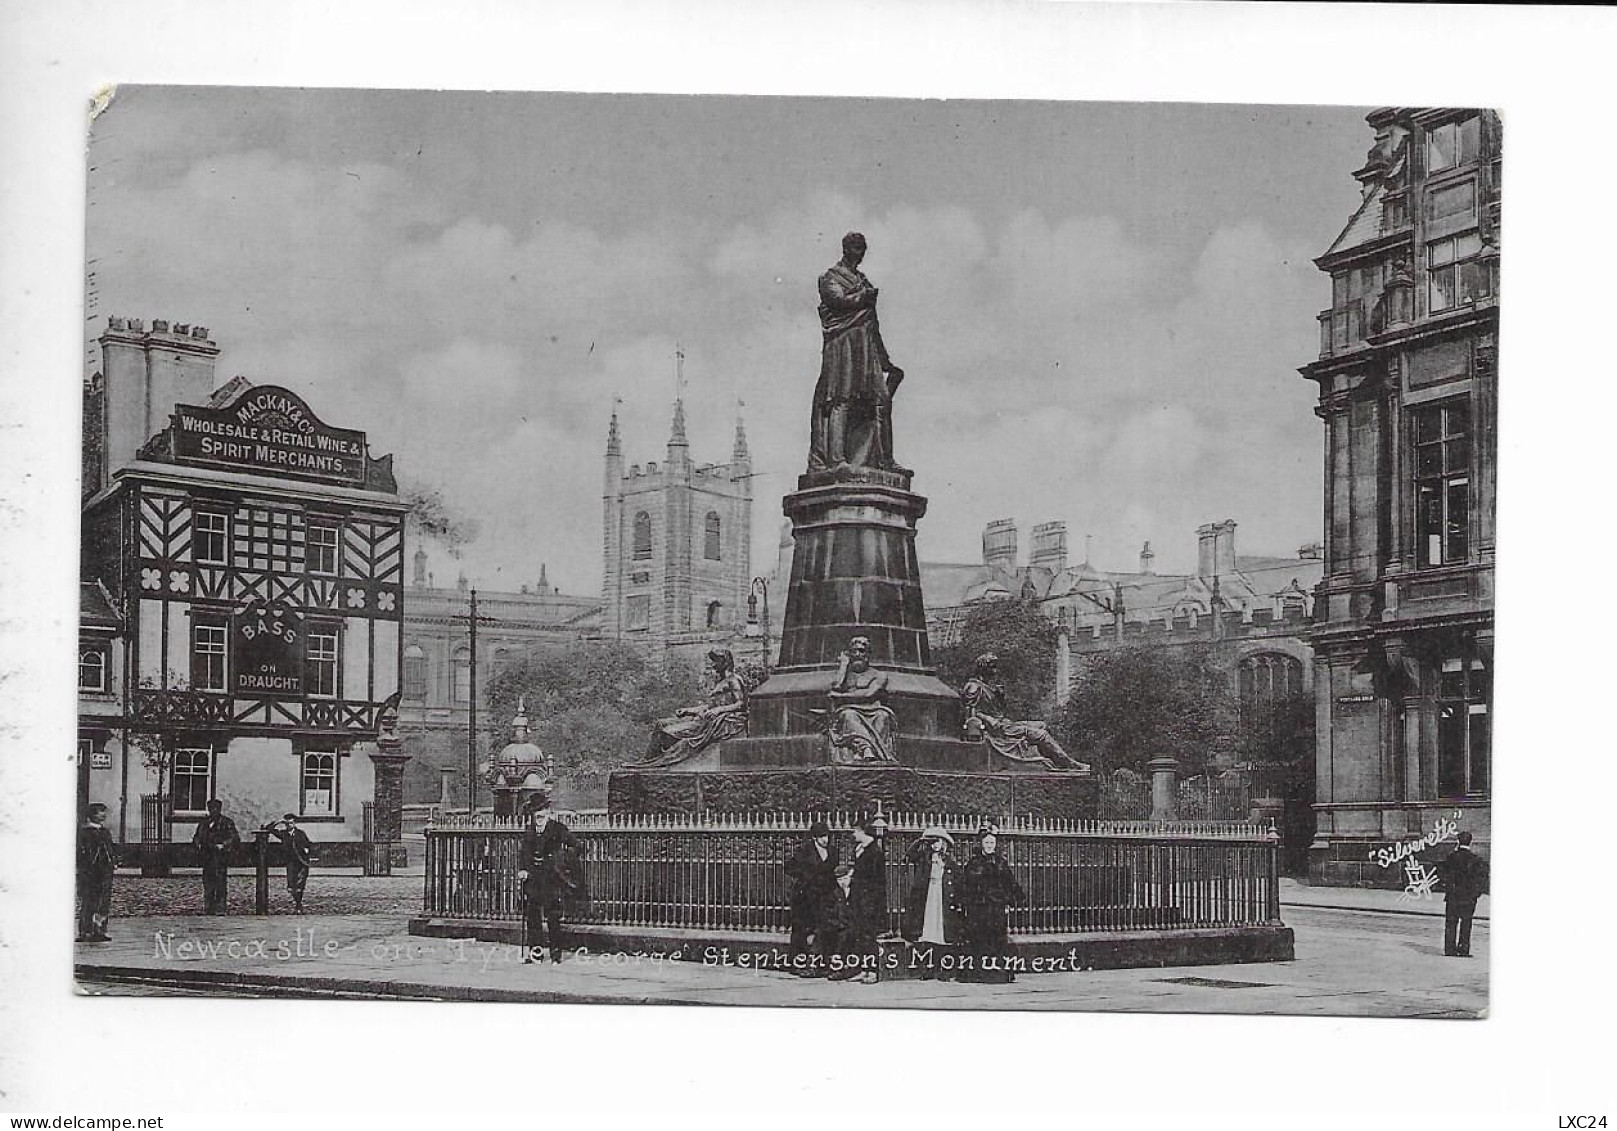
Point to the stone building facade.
(435, 705)
(677, 537)
(241, 597)
(1407, 379)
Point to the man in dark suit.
(867, 900)
(215, 838)
(811, 871)
(97, 858)
(299, 856)
(549, 871)
(1463, 877)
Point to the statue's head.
(853, 247)
(859, 653)
(721, 660)
(987, 663)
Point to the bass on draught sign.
(269, 649)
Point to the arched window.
(710, 547)
(92, 670)
(463, 675)
(713, 614)
(642, 535)
(415, 673)
(499, 663)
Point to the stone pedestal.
(1164, 788)
(854, 573)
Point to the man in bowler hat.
(549, 871)
(1463, 877)
(811, 872)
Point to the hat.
(819, 828)
(936, 832)
(844, 869)
(289, 816)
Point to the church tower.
(676, 543)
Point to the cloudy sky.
(1100, 308)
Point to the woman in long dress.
(932, 913)
(988, 890)
(693, 729)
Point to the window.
(1452, 200)
(1442, 483)
(463, 675)
(320, 662)
(1463, 740)
(210, 653)
(1454, 272)
(323, 548)
(1275, 713)
(415, 673)
(92, 670)
(319, 783)
(1453, 144)
(210, 538)
(642, 535)
(1352, 291)
(710, 544)
(637, 613)
(268, 540)
(192, 779)
(713, 614)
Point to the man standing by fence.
(215, 838)
(811, 872)
(548, 869)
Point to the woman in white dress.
(932, 920)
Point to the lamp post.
(759, 586)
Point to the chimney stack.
(999, 543)
(1215, 549)
(1050, 546)
(144, 376)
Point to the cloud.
(1060, 366)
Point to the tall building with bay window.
(241, 598)
(1408, 393)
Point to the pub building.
(241, 600)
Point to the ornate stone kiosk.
(854, 713)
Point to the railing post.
(261, 885)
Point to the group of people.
(956, 915)
(215, 839)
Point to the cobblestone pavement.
(328, 893)
(1349, 963)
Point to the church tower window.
(711, 546)
(642, 535)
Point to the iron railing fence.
(717, 872)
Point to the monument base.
(853, 789)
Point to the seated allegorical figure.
(859, 724)
(693, 729)
(1024, 741)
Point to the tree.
(1016, 631)
(432, 516)
(590, 706)
(1132, 704)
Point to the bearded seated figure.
(859, 724)
(690, 730)
(1019, 741)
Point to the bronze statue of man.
(852, 423)
(860, 724)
